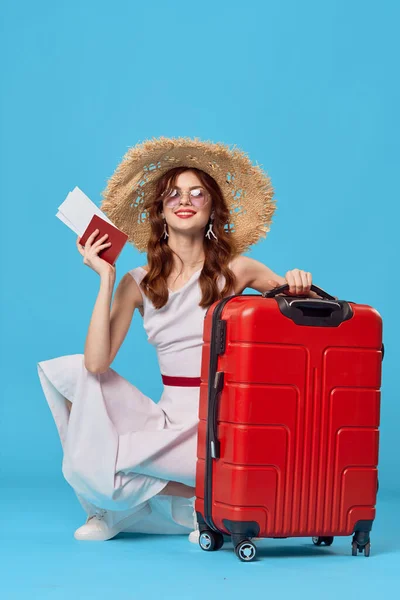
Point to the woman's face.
(188, 195)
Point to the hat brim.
(246, 188)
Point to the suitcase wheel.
(211, 540)
(245, 550)
(361, 543)
(357, 548)
(326, 540)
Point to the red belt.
(181, 381)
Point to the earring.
(165, 232)
(210, 229)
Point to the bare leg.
(174, 488)
(69, 405)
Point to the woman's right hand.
(90, 254)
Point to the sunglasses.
(198, 197)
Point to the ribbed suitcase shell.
(297, 421)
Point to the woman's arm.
(257, 276)
(107, 329)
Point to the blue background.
(309, 89)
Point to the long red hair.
(218, 253)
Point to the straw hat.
(246, 187)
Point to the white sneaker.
(184, 513)
(96, 528)
(104, 525)
(194, 535)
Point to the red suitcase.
(289, 416)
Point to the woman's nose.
(186, 199)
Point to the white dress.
(120, 448)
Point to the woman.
(194, 207)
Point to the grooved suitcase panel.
(298, 420)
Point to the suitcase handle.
(218, 384)
(314, 312)
(283, 288)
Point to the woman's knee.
(64, 372)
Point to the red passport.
(115, 236)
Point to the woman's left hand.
(299, 282)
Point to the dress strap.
(138, 274)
